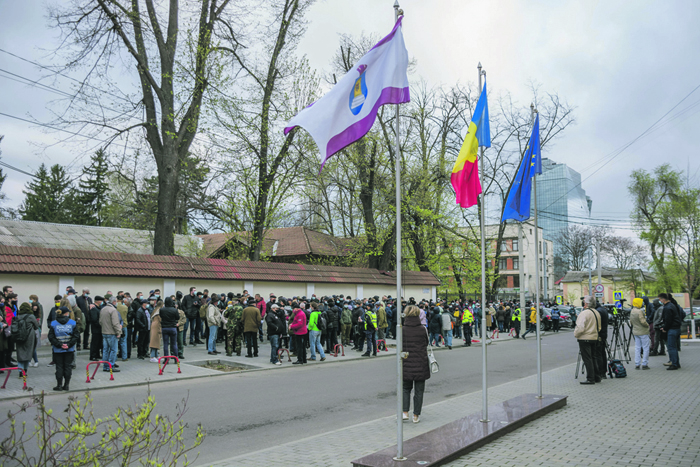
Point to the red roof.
(28, 260)
(287, 241)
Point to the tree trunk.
(164, 240)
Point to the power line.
(619, 151)
(5, 164)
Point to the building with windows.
(509, 266)
(560, 200)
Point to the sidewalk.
(650, 418)
(138, 372)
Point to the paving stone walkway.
(650, 418)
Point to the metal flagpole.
(399, 308)
(484, 367)
(537, 280)
(521, 264)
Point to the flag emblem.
(358, 94)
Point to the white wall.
(213, 285)
(43, 286)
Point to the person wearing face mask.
(95, 329)
(85, 303)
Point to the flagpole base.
(400, 459)
(484, 421)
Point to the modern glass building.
(560, 199)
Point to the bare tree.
(624, 252)
(173, 62)
(576, 240)
(264, 163)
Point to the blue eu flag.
(518, 202)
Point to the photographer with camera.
(587, 333)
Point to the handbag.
(432, 363)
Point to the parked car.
(686, 327)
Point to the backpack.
(321, 322)
(616, 368)
(20, 330)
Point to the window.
(504, 246)
(516, 263)
(515, 245)
(502, 264)
(530, 231)
(540, 247)
(516, 280)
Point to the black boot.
(65, 386)
(59, 386)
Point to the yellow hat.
(638, 303)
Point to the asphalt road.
(251, 411)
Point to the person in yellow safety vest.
(370, 320)
(516, 322)
(533, 322)
(467, 320)
(457, 329)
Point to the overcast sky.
(622, 64)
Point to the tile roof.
(83, 237)
(610, 273)
(287, 241)
(32, 260)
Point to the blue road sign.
(618, 305)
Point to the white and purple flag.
(347, 112)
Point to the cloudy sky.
(622, 64)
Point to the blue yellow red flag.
(465, 173)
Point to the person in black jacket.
(141, 326)
(190, 305)
(96, 329)
(602, 363)
(435, 326)
(168, 323)
(358, 330)
(671, 327)
(85, 303)
(332, 317)
(130, 318)
(416, 368)
(274, 318)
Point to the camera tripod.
(620, 340)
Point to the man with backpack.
(317, 323)
(22, 328)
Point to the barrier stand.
(335, 349)
(385, 347)
(495, 333)
(97, 367)
(440, 338)
(512, 332)
(9, 372)
(280, 352)
(167, 358)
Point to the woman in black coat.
(415, 366)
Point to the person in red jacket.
(298, 328)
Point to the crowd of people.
(111, 326)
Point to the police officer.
(517, 314)
(467, 320)
(63, 335)
(370, 325)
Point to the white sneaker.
(278, 363)
(35, 364)
(416, 418)
(154, 360)
(404, 417)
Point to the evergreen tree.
(48, 196)
(91, 197)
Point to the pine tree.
(92, 191)
(48, 196)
